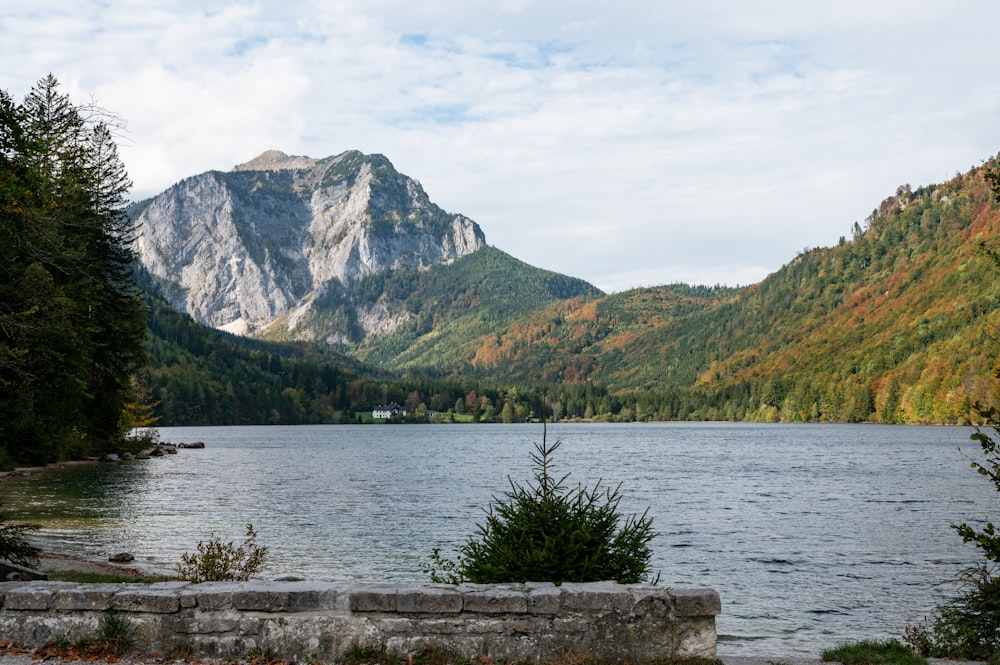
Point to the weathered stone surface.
(695, 638)
(42, 628)
(315, 620)
(373, 599)
(469, 646)
(201, 623)
(696, 602)
(544, 599)
(496, 601)
(209, 595)
(597, 597)
(138, 599)
(31, 595)
(651, 601)
(428, 600)
(86, 597)
(290, 597)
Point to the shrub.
(545, 532)
(14, 546)
(968, 626)
(216, 561)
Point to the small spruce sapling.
(547, 532)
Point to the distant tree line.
(200, 376)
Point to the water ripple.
(811, 534)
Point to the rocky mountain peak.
(275, 160)
(257, 247)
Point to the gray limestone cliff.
(255, 247)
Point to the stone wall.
(318, 621)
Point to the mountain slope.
(266, 240)
(897, 324)
(452, 307)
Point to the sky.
(628, 143)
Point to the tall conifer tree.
(71, 322)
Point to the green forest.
(71, 321)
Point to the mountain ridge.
(889, 325)
(264, 240)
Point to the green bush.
(546, 532)
(968, 626)
(14, 546)
(216, 561)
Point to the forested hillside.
(895, 324)
(454, 306)
(200, 376)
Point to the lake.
(812, 534)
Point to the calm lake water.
(812, 534)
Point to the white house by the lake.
(388, 411)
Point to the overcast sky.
(629, 143)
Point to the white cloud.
(627, 144)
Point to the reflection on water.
(84, 496)
(811, 534)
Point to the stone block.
(139, 599)
(521, 625)
(544, 599)
(373, 599)
(571, 623)
(469, 646)
(86, 597)
(456, 626)
(496, 601)
(696, 638)
(652, 602)
(251, 625)
(208, 595)
(428, 600)
(696, 602)
(205, 624)
(35, 596)
(290, 597)
(394, 625)
(596, 597)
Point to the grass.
(874, 652)
(101, 578)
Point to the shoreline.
(52, 563)
(23, 471)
